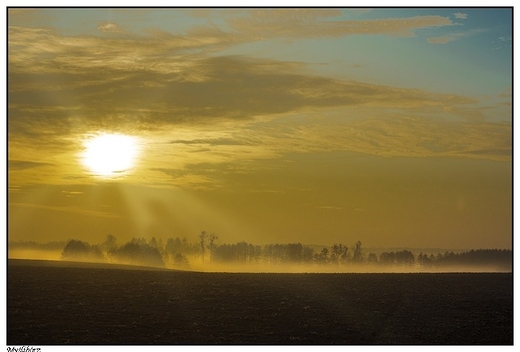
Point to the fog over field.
(246, 257)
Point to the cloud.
(455, 36)
(143, 86)
(182, 178)
(66, 209)
(71, 193)
(377, 132)
(213, 142)
(461, 16)
(109, 27)
(329, 207)
(269, 191)
(24, 164)
(263, 24)
(397, 136)
(83, 83)
(56, 53)
(440, 40)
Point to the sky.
(312, 125)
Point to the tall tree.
(358, 252)
(212, 239)
(338, 253)
(203, 235)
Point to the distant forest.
(177, 253)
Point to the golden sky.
(319, 126)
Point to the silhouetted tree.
(358, 253)
(173, 245)
(239, 252)
(203, 235)
(180, 261)
(242, 250)
(372, 258)
(424, 260)
(79, 250)
(387, 258)
(135, 252)
(212, 239)
(76, 249)
(484, 258)
(294, 252)
(153, 243)
(139, 241)
(308, 254)
(176, 245)
(403, 257)
(338, 253)
(257, 253)
(110, 243)
(322, 257)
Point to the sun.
(110, 155)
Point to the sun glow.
(110, 155)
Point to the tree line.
(137, 251)
(177, 252)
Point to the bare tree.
(203, 235)
(212, 239)
(339, 253)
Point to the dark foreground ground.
(55, 304)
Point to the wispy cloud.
(263, 24)
(393, 136)
(179, 177)
(460, 15)
(455, 36)
(440, 40)
(24, 164)
(71, 194)
(66, 209)
(329, 207)
(109, 27)
(387, 135)
(214, 142)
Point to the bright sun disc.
(110, 155)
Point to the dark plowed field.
(56, 304)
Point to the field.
(55, 303)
